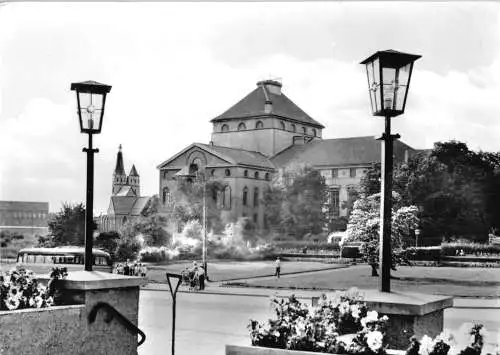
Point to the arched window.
(304, 130)
(256, 197)
(314, 132)
(267, 176)
(242, 127)
(224, 128)
(193, 168)
(124, 220)
(227, 197)
(256, 175)
(212, 172)
(259, 125)
(245, 196)
(227, 172)
(245, 173)
(282, 125)
(294, 128)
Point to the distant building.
(259, 137)
(26, 218)
(126, 202)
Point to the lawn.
(230, 270)
(479, 282)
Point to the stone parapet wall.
(55, 330)
(65, 330)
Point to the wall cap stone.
(35, 310)
(97, 280)
(406, 303)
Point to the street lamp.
(417, 234)
(173, 292)
(389, 74)
(91, 99)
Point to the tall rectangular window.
(352, 172)
(334, 203)
(335, 173)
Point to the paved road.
(206, 322)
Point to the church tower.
(119, 176)
(134, 181)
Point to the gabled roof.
(254, 105)
(240, 156)
(338, 152)
(128, 205)
(231, 156)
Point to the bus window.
(30, 258)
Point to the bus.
(42, 260)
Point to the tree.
(294, 202)
(456, 188)
(187, 202)
(364, 226)
(7, 238)
(67, 227)
(108, 241)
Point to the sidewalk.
(213, 288)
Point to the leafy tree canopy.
(67, 227)
(294, 201)
(7, 237)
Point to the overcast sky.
(173, 67)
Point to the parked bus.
(42, 260)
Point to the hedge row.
(424, 253)
(300, 245)
(450, 249)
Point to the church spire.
(119, 170)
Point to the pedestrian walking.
(277, 265)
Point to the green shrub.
(424, 253)
(298, 246)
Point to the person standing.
(201, 277)
(277, 265)
(126, 268)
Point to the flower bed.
(341, 325)
(344, 325)
(20, 289)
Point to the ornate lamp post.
(173, 291)
(389, 74)
(91, 99)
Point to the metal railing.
(111, 313)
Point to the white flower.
(371, 316)
(355, 311)
(426, 345)
(49, 301)
(374, 340)
(12, 303)
(344, 307)
(39, 301)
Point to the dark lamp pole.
(91, 99)
(389, 73)
(173, 291)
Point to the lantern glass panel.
(373, 73)
(389, 77)
(91, 111)
(402, 89)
